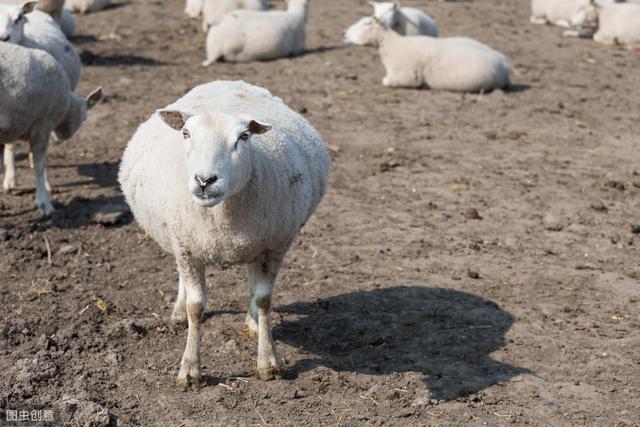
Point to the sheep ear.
(174, 119)
(94, 97)
(258, 128)
(29, 6)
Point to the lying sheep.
(213, 11)
(36, 99)
(226, 175)
(86, 6)
(563, 13)
(456, 63)
(407, 21)
(248, 35)
(617, 24)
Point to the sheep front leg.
(401, 78)
(192, 273)
(9, 182)
(179, 314)
(39, 143)
(262, 275)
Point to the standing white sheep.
(213, 11)
(226, 175)
(249, 35)
(38, 32)
(407, 21)
(53, 8)
(455, 63)
(563, 13)
(36, 99)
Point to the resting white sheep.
(456, 63)
(563, 13)
(213, 11)
(617, 24)
(86, 6)
(36, 99)
(249, 35)
(226, 175)
(407, 21)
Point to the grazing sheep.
(86, 6)
(36, 99)
(455, 63)
(249, 35)
(563, 13)
(213, 11)
(407, 21)
(226, 175)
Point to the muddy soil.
(474, 262)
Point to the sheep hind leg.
(9, 182)
(39, 143)
(179, 314)
(251, 321)
(262, 275)
(192, 272)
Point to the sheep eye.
(244, 136)
(186, 134)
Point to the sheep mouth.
(208, 200)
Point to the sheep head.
(217, 151)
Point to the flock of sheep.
(241, 173)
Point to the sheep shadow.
(446, 334)
(89, 58)
(80, 212)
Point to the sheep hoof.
(265, 374)
(250, 334)
(385, 82)
(207, 63)
(179, 318)
(185, 384)
(46, 208)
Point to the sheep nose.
(204, 182)
(6, 38)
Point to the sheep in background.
(454, 63)
(193, 8)
(226, 175)
(563, 13)
(40, 32)
(407, 21)
(36, 99)
(213, 11)
(248, 35)
(614, 24)
(53, 8)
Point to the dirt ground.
(475, 260)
